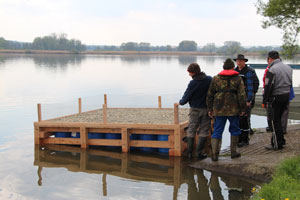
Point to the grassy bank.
(285, 183)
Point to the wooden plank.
(151, 131)
(59, 129)
(125, 140)
(104, 130)
(149, 143)
(105, 142)
(39, 112)
(83, 137)
(75, 141)
(45, 124)
(79, 105)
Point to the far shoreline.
(94, 52)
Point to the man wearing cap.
(251, 83)
(195, 95)
(278, 83)
(226, 100)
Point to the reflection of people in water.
(39, 172)
(215, 187)
(194, 192)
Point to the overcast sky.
(159, 22)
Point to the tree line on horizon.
(51, 42)
(60, 42)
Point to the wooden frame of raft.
(43, 130)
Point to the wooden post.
(159, 102)
(79, 105)
(176, 115)
(105, 99)
(39, 112)
(104, 114)
(83, 137)
(125, 140)
(177, 141)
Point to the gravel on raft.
(128, 116)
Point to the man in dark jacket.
(195, 95)
(276, 95)
(251, 83)
(226, 100)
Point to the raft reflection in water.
(173, 171)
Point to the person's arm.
(187, 94)
(241, 94)
(210, 98)
(250, 87)
(269, 86)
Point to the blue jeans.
(220, 121)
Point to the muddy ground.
(255, 162)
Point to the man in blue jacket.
(195, 95)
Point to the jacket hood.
(199, 76)
(230, 72)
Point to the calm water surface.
(56, 81)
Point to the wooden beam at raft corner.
(177, 141)
(159, 102)
(79, 105)
(176, 115)
(105, 99)
(104, 114)
(39, 109)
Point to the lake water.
(57, 81)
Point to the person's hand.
(248, 104)
(211, 114)
(176, 104)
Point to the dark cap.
(273, 54)
(228, 64)
(194, 68)
(240, 57)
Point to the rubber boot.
(215, 145)
(200, 147)
(233, 145)
(243, 139)
(190, 145)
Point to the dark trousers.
(279, 104)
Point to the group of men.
(230, 95)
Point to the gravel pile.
(129, 116)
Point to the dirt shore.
(255, 162)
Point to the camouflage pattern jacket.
(226, 95)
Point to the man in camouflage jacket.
(226, 99)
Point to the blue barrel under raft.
(134, 137)
(163, 138)
(62, 134)
(113, 136)
(147, 137)
(96, 135)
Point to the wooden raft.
(45, 129)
